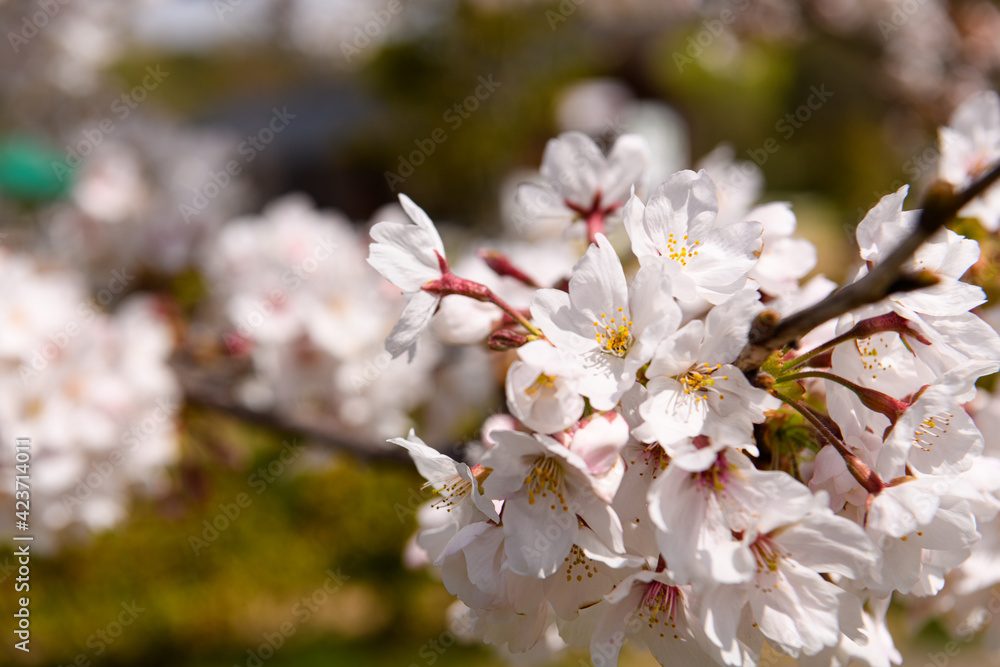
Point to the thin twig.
(212, 389)
(940, 205)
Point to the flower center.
(453, 490)
(544, 479)
(541, 382)
(614, 336)
(767, 553)
(681, 250)
(699, 381)
(716, 477)
(573, 563)
(654, 458)
(868, 348)
(929, 429)
(659, 606)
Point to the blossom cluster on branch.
(648, 486)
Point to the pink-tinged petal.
(572, 163)
(824, 542)
(671, 414)
(606, 381)
(421, 220)
(721, 608)
(677, 353)
(600, 441)
(726, 327)
(463, 538)
(415, 318)
(598, 283)
(546, 408)
(725, 257)
(538, 203)
(782, 264)
(627, 163)
(654, 313)
(606, 525)
(884, 226)
(978, 118)
(582, 581)
(403, 255)
(609, 635)
(507, 460)
(566, 327)
(431, 464)
(598, 551)
(634, 217)
(948, 298)
(800, 614)
(684, 204)
(483, 556)
(935, 435)
(948, 254)
(537, 537)
(777, 219)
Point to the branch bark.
(940, 205)
(212, 388)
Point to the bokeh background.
(259, 518)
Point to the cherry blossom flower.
(969, 146)
(581, 184)
(791, 546)
(410, 257)
(612, 327)
(678, 229)
(693, 386)
(651, 608)
(545, 487)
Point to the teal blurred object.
(31, 172)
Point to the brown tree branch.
(940, 205)
(212, 388)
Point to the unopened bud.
(764, 380)
(864, 475)
(505, 339)
(762, 325)
(892, 321)
(502, 266)
(939, 197)
(879, 402)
